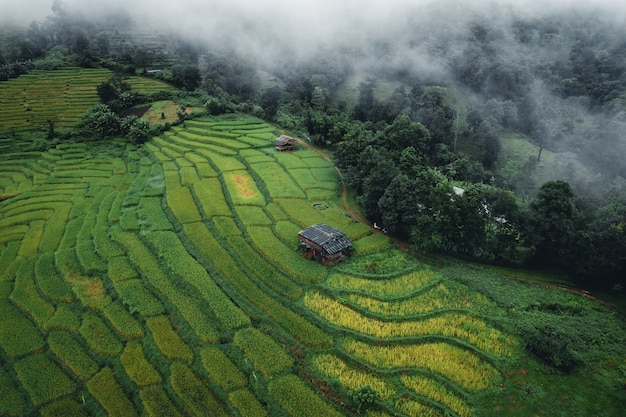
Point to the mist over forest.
(356, 76)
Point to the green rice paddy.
(168, 281)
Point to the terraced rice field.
(62, 96)
(169, 282)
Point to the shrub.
(553, 348)
(363, 398)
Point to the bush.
(554, 348)
(363, 398)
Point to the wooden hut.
(285, 143)
(324, 242)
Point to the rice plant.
(64, 407)
(13, 402)
(371, 243)
(295, 397)
(399, 286)
(138, 298)
(181, 202)
(43, 379)
(99, 336)
(157, 403)
(352, 378)
(137, 367)
(449, 324)
(279, 183)
(263, 270)
(181, 263)
(64, 318)
(211, 198)
(226, 226)
(124, 323)
(460, 366)
(416, 408)
(242, 189)
(27, 297)
(108, 392)
(266, 355)
(246, 403)
(288, 258)
(194, 393)
(71, 353)
(252, 216)
(221, 369)
(167, 340)
(434, 390)
(91, 292)
(438, 297)
(151, 215)
(18, 335)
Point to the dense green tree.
(404, 132)
(99, 122)
(186, 76)
(554, 224)
(270, 101)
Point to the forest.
(494, 140)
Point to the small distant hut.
(324, 242)
(285, 143)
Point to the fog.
(427, 39)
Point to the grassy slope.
(124, 237)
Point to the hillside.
(166, 279)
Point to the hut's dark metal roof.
(283, 140)
(329, 238)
